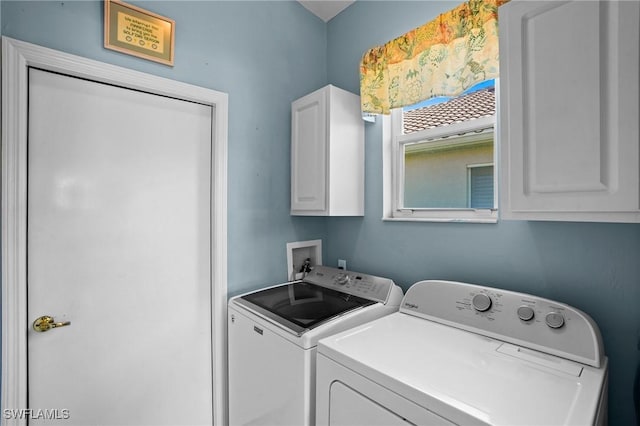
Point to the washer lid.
(301, 306)
(468, 378)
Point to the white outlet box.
(342, 264)
(298, 252)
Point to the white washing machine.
(273, 335)
(462, 354)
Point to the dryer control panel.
(518, 318)
(367, 286)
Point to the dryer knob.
(481, 302)
(554, 319)
(526, 313)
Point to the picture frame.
(138, 32)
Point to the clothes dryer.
(463, 354)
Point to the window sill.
(448, 216)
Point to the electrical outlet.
(342, 264)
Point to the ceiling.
(326, 9)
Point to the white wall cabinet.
(327, 154)
(569, 110)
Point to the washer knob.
(342, 279)
(525, 313)
(481, 302)
(554, 319)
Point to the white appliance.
(273, 335)
(465, 354)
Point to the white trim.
(466, 140)
(444, 218)
(474, 166)
(388, 158)
(476, 125)
(17, 57)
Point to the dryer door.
(345, 398)
(349, 407)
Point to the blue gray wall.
(594, 267)
(267, 53)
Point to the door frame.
(17, 58)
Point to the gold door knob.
(46, 323)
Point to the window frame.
(394, 141)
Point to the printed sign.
(138, 32)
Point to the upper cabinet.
(569, 110)
(327, 154)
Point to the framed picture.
(135, 31)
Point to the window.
(440, 159)
(481, 186)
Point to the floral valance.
(441, 58)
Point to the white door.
(119, 245)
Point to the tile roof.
(467, 107)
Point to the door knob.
(46, 323)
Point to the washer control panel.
(354, 283)
(518, 318)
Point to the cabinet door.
(309, 154)
(569, 110)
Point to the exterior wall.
(439, 179)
